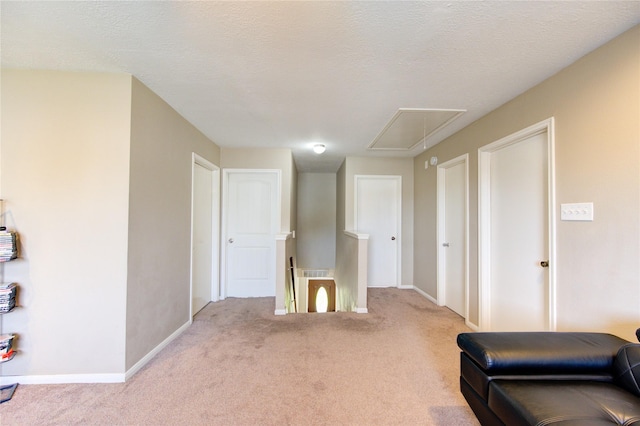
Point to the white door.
(452, 229)
(377, 213)
(518, 234)
(251, 223)
(204, 234)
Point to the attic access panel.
(410, 126)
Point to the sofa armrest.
(626, 368)
(538, 353)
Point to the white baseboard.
(421, 292)
(471, 325)
(144, 360)
(52, 379)
(362, 311)
(280, 312)
(405, 287)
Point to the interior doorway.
(251, 219)
(205, 240)
(517, 231)
(378, 205)
(453, 241)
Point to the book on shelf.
(8, 246)
(6, 345)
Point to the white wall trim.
(425, 295)
(280, 312)
(484, 219)
(54, 379)
(362, 311)
(155, 351)
(284, 236)
(50, 379)
(356, 235)
(471, 325)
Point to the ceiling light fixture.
(319, 148)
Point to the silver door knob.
(230, 240)
(544, 263)
(393, 238)
(445, 244)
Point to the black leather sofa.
(550, 378)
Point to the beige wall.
(162, 143)
(385, 166)
(65, 177)
(316, 233)
(351, 272)
(596, 106)
(96, 171)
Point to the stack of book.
(7, 297)
(8, 246)
(6, 347)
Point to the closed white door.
(202, 238)
(453, 250)
(518, 235)
(377, 213)
(252, 219)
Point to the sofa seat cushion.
(538, 353)
(563, 403)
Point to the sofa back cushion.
(626, 368)
(541, 353)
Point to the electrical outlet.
(576, 211)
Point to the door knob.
(544, 263)
(393, 238)
(230, 240)
(445, 244)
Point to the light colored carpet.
(238, 364)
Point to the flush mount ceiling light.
(319, 148)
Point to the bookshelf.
(8, 253)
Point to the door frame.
(215, 228)
(225, 203)
(484, 219)
(398, 180)
(440, 239)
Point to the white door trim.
(215, 228)
(398, 181)
(225, 202)
(440, 220)
(484, 219)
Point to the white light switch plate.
(576, 211)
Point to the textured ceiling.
(290, 74)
